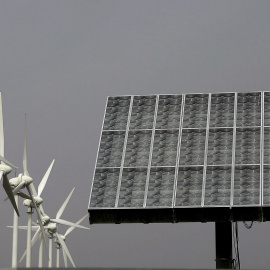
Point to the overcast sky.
(59, 60)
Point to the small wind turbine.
(51, 226)
(60, 241)
(52, 230)
(25, 181)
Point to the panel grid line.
(262, 149)
(178, 149)
(124, 153)
(151, 153)
(206, 149)
(233, 149)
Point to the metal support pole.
(15, 236)
(29, 235)
(40, 255)
(57, 256)
(50, 251)
(223, 245)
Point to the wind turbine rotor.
(65, 249)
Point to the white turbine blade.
(68, 223)
(8, 163)
(35, 225)
(39, 219)
(70, 229)
(2, 172)
(64, 247)
(18, 188)
(34, 228)
(62, 208)
(8, 189)
(1, 127)
(23, 195)
(65, 258)
(25, 171)
(44, 179)
(33, 190)
(33, 241)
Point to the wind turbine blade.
(18, 188)
(33, 241)
(68, 223)
(1, 127)
(70, 229)
(39, 219)
(8, 163)
(19, 227)
(64, 247)
(8, 190)
(25, 171)
(62, 208)
(34, 228)
(23, 195)
(2, 172)
(44, 179)
(33, 190)
(65, 258)
(37, 226)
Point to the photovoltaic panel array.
(190, 157)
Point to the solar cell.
(190, 157)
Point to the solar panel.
(190, 157)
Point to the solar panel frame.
(247, 131)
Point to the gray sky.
(59, 60)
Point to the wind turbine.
(60, 241)
(51, 226)
(25, 181)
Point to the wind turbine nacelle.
(27, 202)
(38, 200)
(14, 182)
(45, 219)
(28, 180)
(52, 228)
(5, 168)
